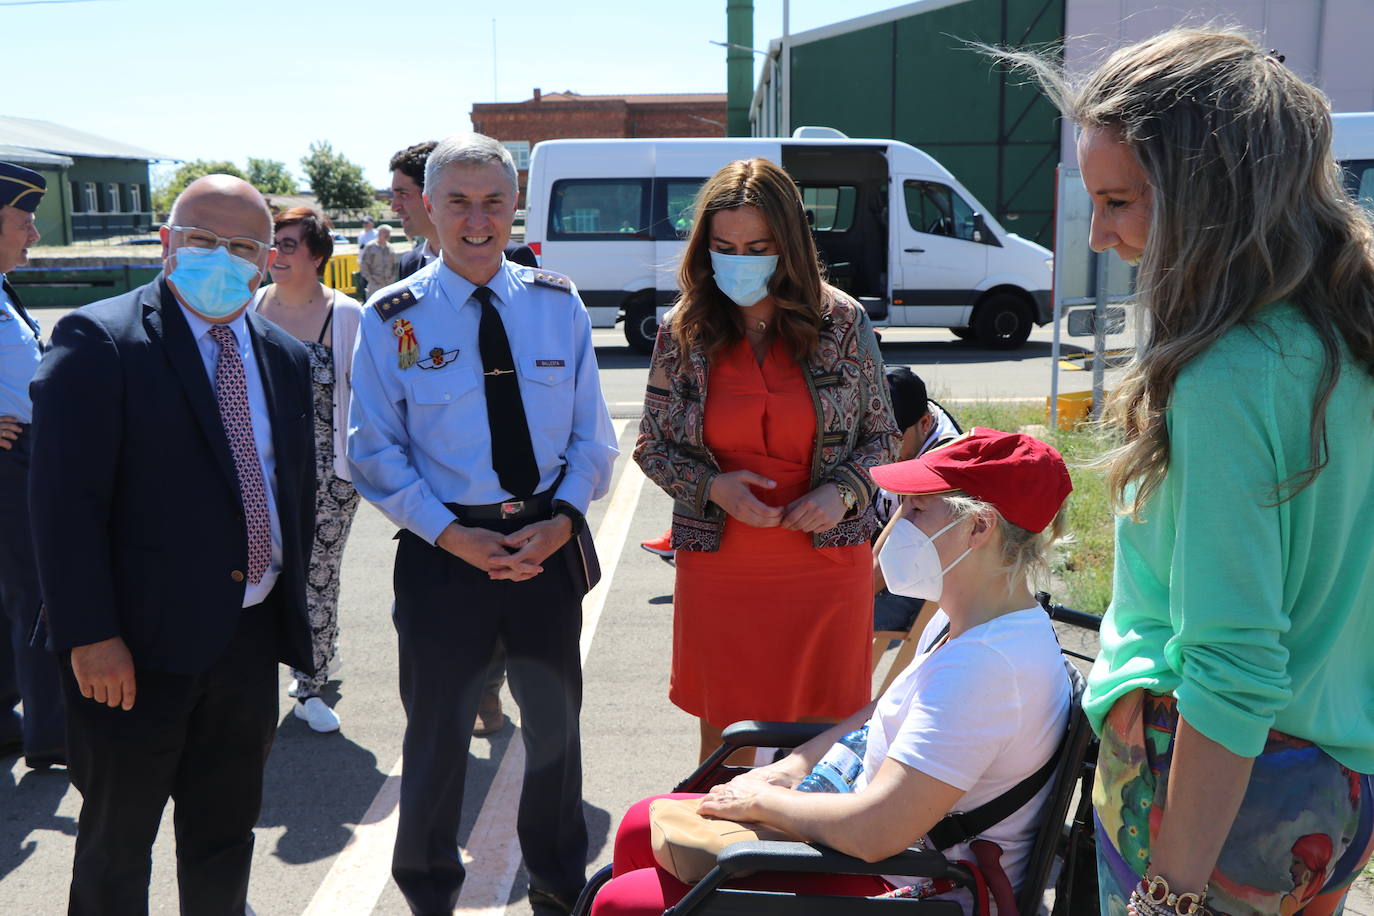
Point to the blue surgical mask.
(743, 277)
(212, 282)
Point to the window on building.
(831, 208)
(112, 197)
(519, 151)
(939, 210)
(608, 207)
(91, 203)
(135, 198)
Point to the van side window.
(680, 197)
(586, 208)
(1359, 181)
(938, 210)
(830, 209)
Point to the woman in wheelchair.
(978, 712)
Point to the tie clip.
(500, 372)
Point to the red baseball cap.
(1023, 477)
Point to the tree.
(197, 168)
(338, 184)
(270, 176)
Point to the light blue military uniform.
(418, 436)
(20, 353)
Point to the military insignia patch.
(407, 347)
(391, 306)
(550, 279)
(438, 358)
(5, 315)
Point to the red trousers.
(640, 888)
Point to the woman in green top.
(1234, 691)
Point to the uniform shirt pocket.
(546, 386)
(444, 409)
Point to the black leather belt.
(539, 506)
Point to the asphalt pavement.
(328, 820)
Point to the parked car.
(613, 215)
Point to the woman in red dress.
(765, 408)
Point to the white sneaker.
(318, 716)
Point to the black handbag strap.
(961, 827)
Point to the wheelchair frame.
(710, 897)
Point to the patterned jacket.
(855, 430)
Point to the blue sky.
(206, 80)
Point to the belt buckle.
(512, 508)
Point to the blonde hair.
(704, 317)
(1248, 209)
(1026, 555)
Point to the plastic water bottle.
(839, 769)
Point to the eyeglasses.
(287, 246)
(239, 246)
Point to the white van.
(613, 214)
(1352, 142)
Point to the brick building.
(563, 115)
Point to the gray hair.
(383, 227)
(469, 149)
(1025, 554)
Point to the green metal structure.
(739, 65)
(911, 75)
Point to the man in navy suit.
(173, 504)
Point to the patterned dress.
(336, 501)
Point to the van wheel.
(641, 327)
(1002, 322)
(962, 333)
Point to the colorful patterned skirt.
(1304, 831)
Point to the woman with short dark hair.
(765, 408)
(327, 323)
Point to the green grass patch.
(1083, 571)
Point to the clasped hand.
(516, 556)
(819, 510)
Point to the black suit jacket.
(412, 260)
(138, 523)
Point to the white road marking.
(360, 872)
(493, 842)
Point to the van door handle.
(914, 250)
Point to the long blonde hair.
(1248, 209)
(704, 317)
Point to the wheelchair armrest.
(755, 733)
(774, 855)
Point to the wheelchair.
(1053, 851)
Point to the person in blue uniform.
(28, 670)
(478, 426)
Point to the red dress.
(769, 627)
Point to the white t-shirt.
(981, 712)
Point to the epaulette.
(552, 279)
(390, 306)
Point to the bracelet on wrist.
(1152, 897)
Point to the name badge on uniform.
(549, 364)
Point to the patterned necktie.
(512, 453)
(231, 390)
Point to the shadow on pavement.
(317, 787)
(954, 352)
(620, 358)
(28, 806)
